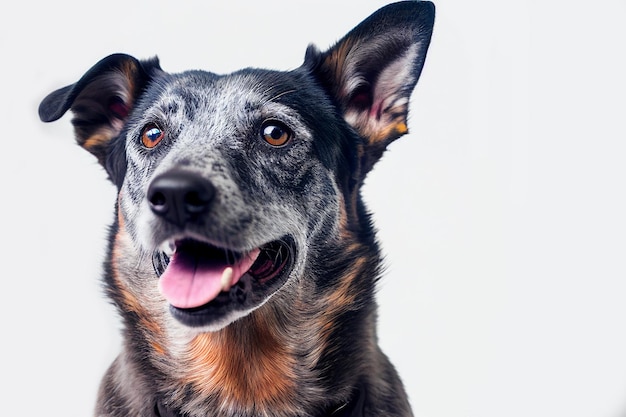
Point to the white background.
(502, 213)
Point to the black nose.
(180, 196)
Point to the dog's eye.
(276, 133)
(151, 135)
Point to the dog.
(242, 259)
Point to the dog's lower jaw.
(248, 279)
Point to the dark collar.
(354, 408)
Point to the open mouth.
(203, 282)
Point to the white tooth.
(168, 247)
(227, 276)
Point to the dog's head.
(236, 188)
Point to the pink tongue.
(190, 281)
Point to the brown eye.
(276, 133)
(151, 135)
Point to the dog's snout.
(180, 196)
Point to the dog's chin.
(255, 280)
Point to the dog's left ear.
(371, 72)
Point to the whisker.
(279, 95)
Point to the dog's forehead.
(201, 90)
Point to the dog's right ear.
(101, 100)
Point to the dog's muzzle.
(205, 279)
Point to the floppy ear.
(371, 72)
(101, 100)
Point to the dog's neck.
(257, 360)
(247, 363)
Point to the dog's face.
(222, 176)
(235, 190)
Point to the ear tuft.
(101, 100)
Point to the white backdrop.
(501, 214)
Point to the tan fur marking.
(345, 294)
(401, 128)
(344, 233)
(157, 348)
(249, 365)
(129, 69)
(380, 132)
(335, 64)
(342, 298)
(98, 139)
(129, 301)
